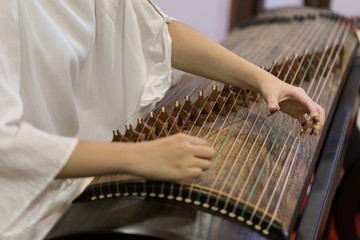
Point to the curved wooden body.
(258, 179)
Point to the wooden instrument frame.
(132, 216)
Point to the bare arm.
(182, 156)
(172, 158)
(195, 53)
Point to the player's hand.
(173, 158)
(295, 102)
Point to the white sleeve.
(29, 158)
(166, 18)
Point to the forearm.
(99, 158)
(195, 53)
(171, 158)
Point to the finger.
(301, 96)
(306, 132)
(321, 119)
(200, 163)
(193, 172)
(316, 112)
(315, 116)
(318, 120)
(305, 123)
(203, 152)
(273, 105)
(303, 120)
(318, 127)
(311, 108)
(316, 131)
(196, 141)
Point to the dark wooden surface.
(153, 218)
(317, 3)
(242, 11)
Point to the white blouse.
(69, 70)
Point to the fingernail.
(275, 107)
(272, 112)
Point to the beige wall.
(210, 17)
(270, 4)
(346, 7)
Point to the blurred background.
(215, 18)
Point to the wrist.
(261, 80)
(244, 74)
(127, 157)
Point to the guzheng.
(259, 176)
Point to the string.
(231, 149)
(249, 222)
(268, 181)
(179, 198)
(258, 226)
(208, 115)
(324, 54)
(327, 62)
(232, 214)
(266, 230)
(141, 133)
(189, 114)
(199, 194)
(219, 193)
(268, 155)
(191, 187)
(291, 166)
(237, 158)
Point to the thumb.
(273, 105)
